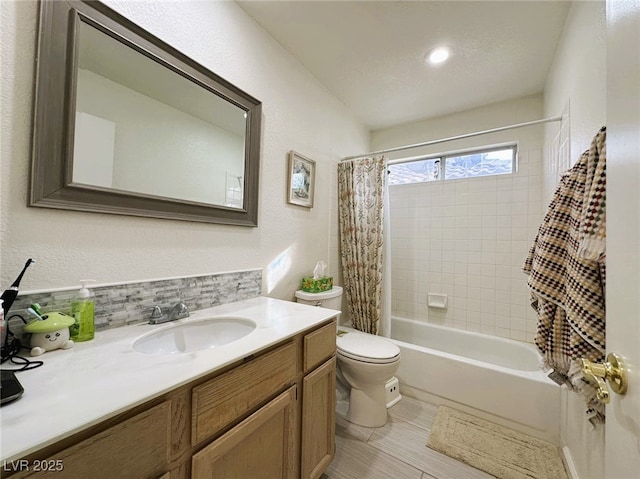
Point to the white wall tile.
(468, 239)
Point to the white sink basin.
(194, 335)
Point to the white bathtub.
(478, 373)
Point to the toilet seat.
(367, 348)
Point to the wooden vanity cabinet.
(271, 416)
(268, 441)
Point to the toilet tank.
(331, 299)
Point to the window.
(487, 162)
(417, 171)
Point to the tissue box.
(310, 285)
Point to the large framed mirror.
(126, 124)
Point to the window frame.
(457, 153)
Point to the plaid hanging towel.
(567, 289)
(593, 232)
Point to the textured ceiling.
(370, 54)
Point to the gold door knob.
(613, 371)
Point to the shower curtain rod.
(459, 137)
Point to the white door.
(622, 436)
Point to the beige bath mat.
(503, 452)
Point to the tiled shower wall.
(468, 239)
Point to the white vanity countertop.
(98, 379)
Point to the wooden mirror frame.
(54, 120)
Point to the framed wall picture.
(302, 177)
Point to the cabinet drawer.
(138, 447)
(225, 398)
(319, 346)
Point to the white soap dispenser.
(83, 310)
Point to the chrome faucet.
(179, 311)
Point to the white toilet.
(365, 363)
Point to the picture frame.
(302, 177)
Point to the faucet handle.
(179, 311)
(157, 312)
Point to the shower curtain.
(361, 197)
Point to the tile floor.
(395, 451)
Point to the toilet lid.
(367, 348)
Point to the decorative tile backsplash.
(119, 305)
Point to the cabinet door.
(263, 445)
(318, 420)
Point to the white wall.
(151, 139)
(483, 118)
(94, 140)
(578, 75)
(578, 79)
(468, 238)
(298, 114)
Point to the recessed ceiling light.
(438, 55)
